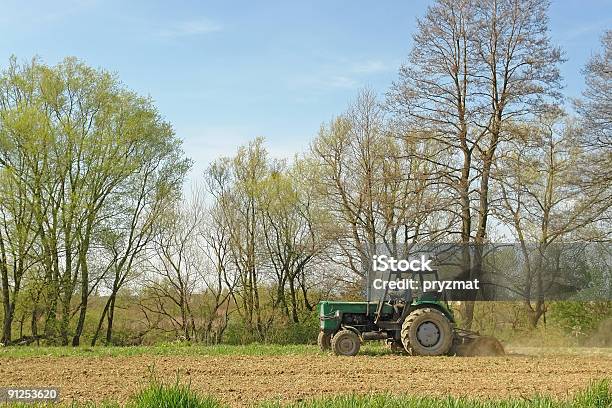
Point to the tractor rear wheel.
(345, 343)
(427, 332)
(324, 340)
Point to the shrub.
(582, 319)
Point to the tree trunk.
(84, 284)
(34, 324)
(294, 312)
(7, 324)
(82, 313)
(302, 283)
(6, 301)
(8, 312)
(534, 314)
(110, 319)
(67, 294)
(100, 322)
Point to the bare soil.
(244, 380)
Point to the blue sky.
(224, 72)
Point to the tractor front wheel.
(324, 340)
(345, 343)
(427, 332)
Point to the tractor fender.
(434, 305)
(354, 330)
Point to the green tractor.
(422, 325)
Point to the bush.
(281, 331)
(288, 332)
(582, 320)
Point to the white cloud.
(340, 82)
(340, 73)
(15, 12)
(323, 82)
(192, 27)
(369, 67)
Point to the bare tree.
(474, 67)
(596, 105)
(173, 278)
(546, 198)
(216, 274)
(373, 185)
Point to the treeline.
(470, 145)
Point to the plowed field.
(243, 380)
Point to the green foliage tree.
(78, 143)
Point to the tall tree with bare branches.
(476, 66)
